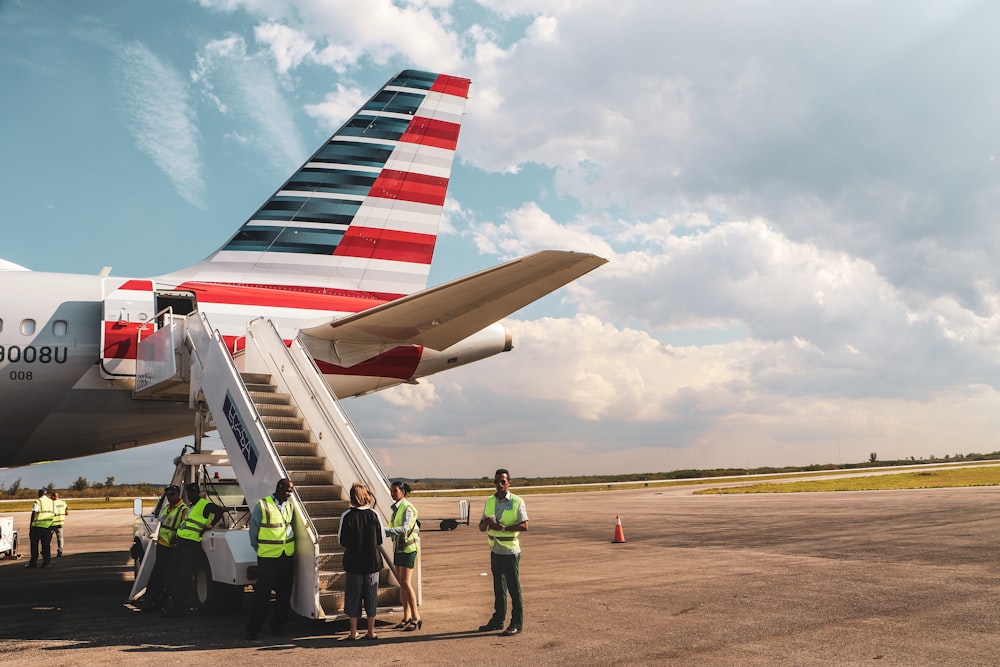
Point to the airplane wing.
(441, 316)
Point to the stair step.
(261, 388)
(270, 398)
(277, 410)
(330, 562)
(333, 602)
(326, 524)
(326, 508)
(256, 378)
(302, 462)
(315, 478)
(297, 449)
(282, 422)
(328, 544)
(317, 493)
(330, 581)
(290, 434)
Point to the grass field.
(982, 475)
(974, 475)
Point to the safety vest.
(275, 536)
(59, 507)
(170, 520)
(44, 515)
(508, 518)
(409, 541)
(195, 523)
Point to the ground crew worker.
(172, 514)
(405, 531)
(202, 516)
(60, 511)
(504, 517)
(40, 532)
(272, 535)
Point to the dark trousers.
(40, 538)
(158, 577)
(181, 576)
(273, 574)
(505, 579)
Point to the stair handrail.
(328, 408)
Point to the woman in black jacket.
(361, 533)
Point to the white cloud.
(157, 111)
(288, 47)
(240, 83)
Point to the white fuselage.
(56, 403)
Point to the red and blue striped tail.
(362, 214)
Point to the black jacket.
(360, 535)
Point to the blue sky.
(798, 200)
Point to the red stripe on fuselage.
(428, 132)
(281, 296)
(451, 85)
(389, 244)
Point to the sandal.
(402, 624)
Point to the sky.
(798, 201)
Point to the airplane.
(338, 257)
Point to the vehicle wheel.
(449, 524)
(214, 596)
(137, 553)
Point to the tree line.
(83, 488)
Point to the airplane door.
(128, 308)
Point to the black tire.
(137, 554)
(214, 596)
(449, 524)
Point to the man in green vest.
(202, 517)
(272, 535)
(172, 515)
(40, 532)
(59, 520)
(504, 518)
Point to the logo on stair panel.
(247, 446)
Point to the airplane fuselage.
(68, 349)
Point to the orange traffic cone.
(619, 533)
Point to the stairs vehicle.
(277, 418)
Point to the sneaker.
(491, 626)
(511, 631)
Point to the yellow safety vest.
(508, 518)
(275, 536)
(59, 507)
(44, 515)
(409, 541)
(169, 522)
(195, 523)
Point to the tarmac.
(861, 578)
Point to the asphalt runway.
(863, 578)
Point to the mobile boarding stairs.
(277, 418)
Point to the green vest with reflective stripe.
(169, 522)
(508, 518)
(196, 522)
(59, 518)
(410, 540)
(275, 536)
(44, 515)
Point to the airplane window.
(59, 328)
(1, 325)
(27, 327)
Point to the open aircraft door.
(129, 308)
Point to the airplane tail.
(362, 214)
